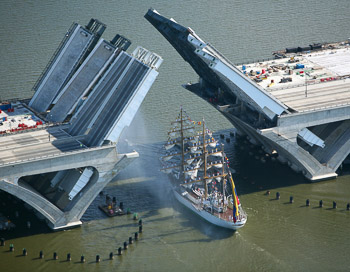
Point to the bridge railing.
(60, 154)
(36, 128)
(54, 56)
(325, 107)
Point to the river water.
(277, 237)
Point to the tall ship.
(200, 174)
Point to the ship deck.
(226, 215)
(306, 81)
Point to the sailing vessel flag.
(235, 202)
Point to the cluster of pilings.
(228, 139)
(120, 250)
(259, 153)
(307, 202)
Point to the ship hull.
(208, 216)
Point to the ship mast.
(182, 145)
(223, 173)
(205, 164)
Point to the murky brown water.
(278, 236)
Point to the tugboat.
(200, 175)
(111, 208)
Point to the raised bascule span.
(58, 150)
(296, 105)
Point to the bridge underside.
(315, 163)
(60, 193)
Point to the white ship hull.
(208, 216)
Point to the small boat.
(111, 208)
(111, 212)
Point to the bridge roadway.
(83, 118)
(64, 63)
(79, 84)
(117, 102)
(315, 96)
(34, 144)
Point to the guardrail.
(61, 154)
(309, 83)
(38, 127)
(221, 55)
(249, 62)
(325, 107)
(13, 100)
(53, 57)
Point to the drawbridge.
(64, 152)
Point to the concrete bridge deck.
(315, 96)
(306, 81)
(63, 65)
(81, 81)
(82, 119)
(34, 144)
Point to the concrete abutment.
(58, 218)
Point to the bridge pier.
(109, 165)
(289, 152)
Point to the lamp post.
(48, 124)
(305, 84)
